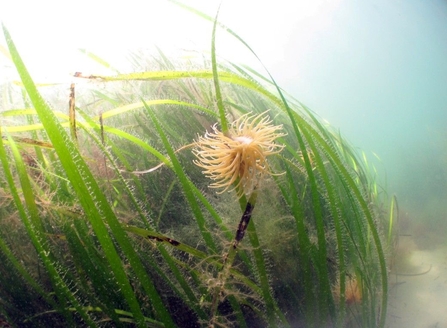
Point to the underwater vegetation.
(191, 194)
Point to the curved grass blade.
(92, 200)
(34, 229)
(191, 299)
(200, 219)
(352, 188)
(125, 316)
(130, 107)
(160, 238)
(351, 184)
(223, 119)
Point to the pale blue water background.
(379, 73)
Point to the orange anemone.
(239, 157)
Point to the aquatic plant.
(106, 217)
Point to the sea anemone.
(353, 292)
(238, 157)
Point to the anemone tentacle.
(241, 153)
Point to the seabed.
(417, 298)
